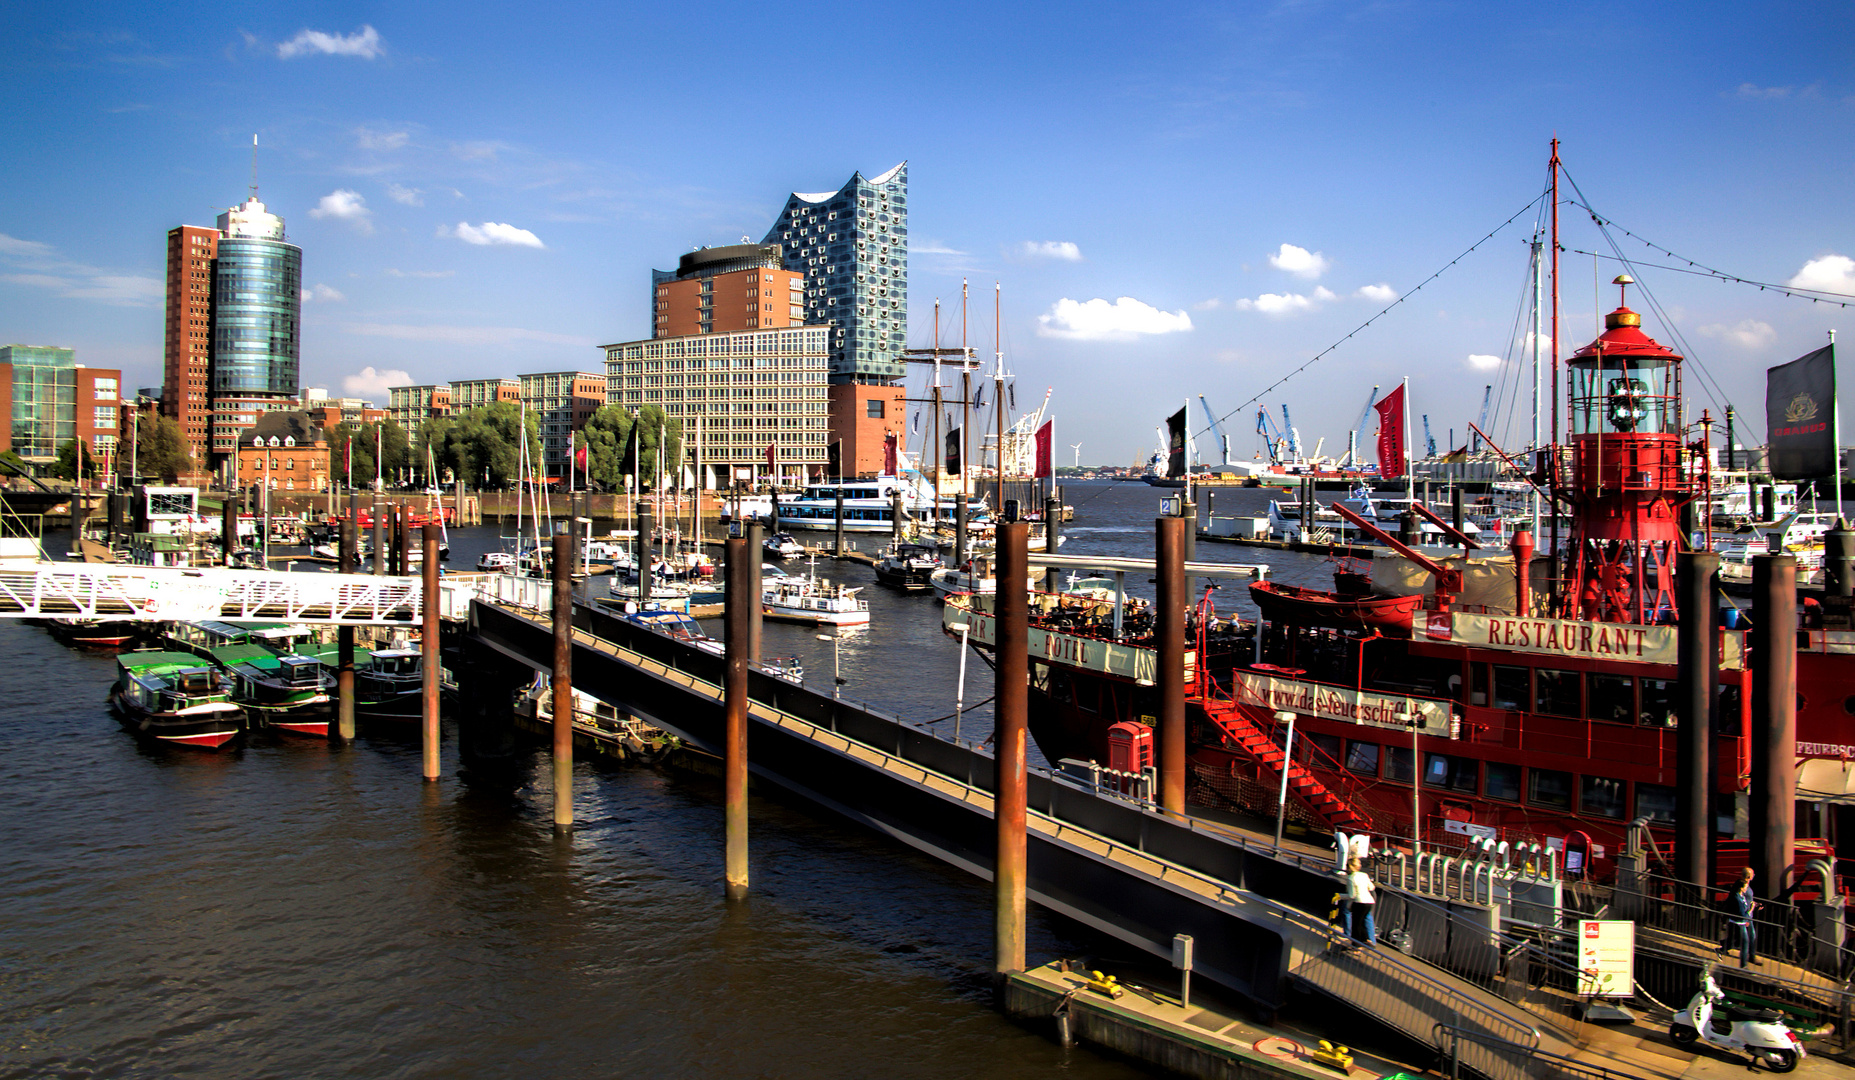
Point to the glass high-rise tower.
(257, 283)
(852, 246)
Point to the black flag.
(1175, 444)
(953, 451)
(629, 465)
(1800, 410)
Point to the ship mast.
(1555, 600)
(998, 389)
(940, 457)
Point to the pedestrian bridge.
(166, 594)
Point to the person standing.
(1362, 893)
(1745, 905)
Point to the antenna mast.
(254, 165)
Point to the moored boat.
(908, 567)
(810, 600)
(1313, 607)
(172, 697)
(289, 692)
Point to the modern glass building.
(44, 392)
(257, 316)
(852, 246)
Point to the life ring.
(150, 606)
(1280, 1048)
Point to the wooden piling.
(647, 524)
(1052, 539)
(563, 678)
(837, 547)
(379, 537)
(1010, 712)
(1774, 721)
(343, 728)
(1169, 635)
(1696, 690)
(743, 600)
(428, 657)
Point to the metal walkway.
(168, 594)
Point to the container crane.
(1352, 437)
(1273, 440)
(1429, 440)
(1223, 441)
(1294, 437)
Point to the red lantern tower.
(1626, 487)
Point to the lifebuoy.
(150, 606)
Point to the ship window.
(1658, 703)
(1325, 752)
(1550, 788)
(1613, 697)
(1727, 717)
(1454, 773)
(1398, 764)
(1478, 684)
(1655, 802)
(1510, 687)
(1601, 796)
(1362, 758)
(1555, 693)
(1503, 781)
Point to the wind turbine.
(1077, 447)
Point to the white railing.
(164, 594)
(456, 591)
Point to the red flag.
(1044, 465)
(769, 456)
(1391, 434)
(579, 457)
(888, 454)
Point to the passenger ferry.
(869, 506)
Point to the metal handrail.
(1566, 1065)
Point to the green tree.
(386, 437)
(483, 445)
(604, 438)
(65, 468)
(431, 445)
(154, 448)
(653, 427)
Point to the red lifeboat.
(1292, 605)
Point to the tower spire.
(254, 165)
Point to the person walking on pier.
(1745, 905)
(1361, 896)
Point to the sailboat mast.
(998, 389)
(966, 399)
(1553, 476)
(940, 446)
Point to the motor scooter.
(1761, 1033)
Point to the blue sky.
(483, 191)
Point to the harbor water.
(289, 909)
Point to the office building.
(48, 399)
(852, 246)
(721, 290)
(231, 344)
(474, 393)
(326, 412)
(562, 402)
(411, 406)
(751, 390)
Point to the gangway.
(167, 594)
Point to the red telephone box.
(1130, 747)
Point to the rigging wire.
(1717, 276)
(1264, 392)
(1702, 269)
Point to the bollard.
(563, 678)
(1774, 721)
(430, 668)
(1697, 684)
(1011, 695)
(742, 604)
(1169, 634)
(379, 537)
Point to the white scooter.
(1761, 1033)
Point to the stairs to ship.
(1333, 809)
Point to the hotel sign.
(1340, 703)
(1557, 637)
(1070, 650)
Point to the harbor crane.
(1352, 437)
(1481, 424)
(1429, 440)
(1223, 440)
(1294, 437)
(1275, 442)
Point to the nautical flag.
(1175, 444)
(579, 456)
(629, 466)
(1391, 434)
(769, 455)
(953, 452)
(1459, 454)
(1800, 410)
(1045, 466)
(889, 454)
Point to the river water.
(288, 909)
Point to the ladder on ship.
(1332, 809)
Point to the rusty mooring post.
(428, 658)
(1169, 680)
(402, 543)
(1697, 682)
(1011, 696)
(228, 527)
(742, 605)
(344, 636)
(379, 536)
(563, 678)
(1774, 721)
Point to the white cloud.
(373, 383)
(1831, 273)
(1275, 303)
(324, 293)
(1208, 305)
(345, 205)
(1754, 92)
(39, 266)
(409, 196)
(930, 247)
(1747, 334)
(1060, 250)
(1098, 320)
(364, 43)
(465, 335)
(1384, 294)
(1482, 362)
(1300, 262)
(482, 150)
(420, 273)
(492, 232)
(368, 139)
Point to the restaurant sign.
(1342, 704)
(1556, 637)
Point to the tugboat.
(172, 697)
(908, 567)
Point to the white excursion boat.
(869, 506)
(809, 600)
(975, 577)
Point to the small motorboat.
(908, 567)
(1294, 605)
(783, 546)
(496, 562)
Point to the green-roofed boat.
(173, 697)
(288, 691)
